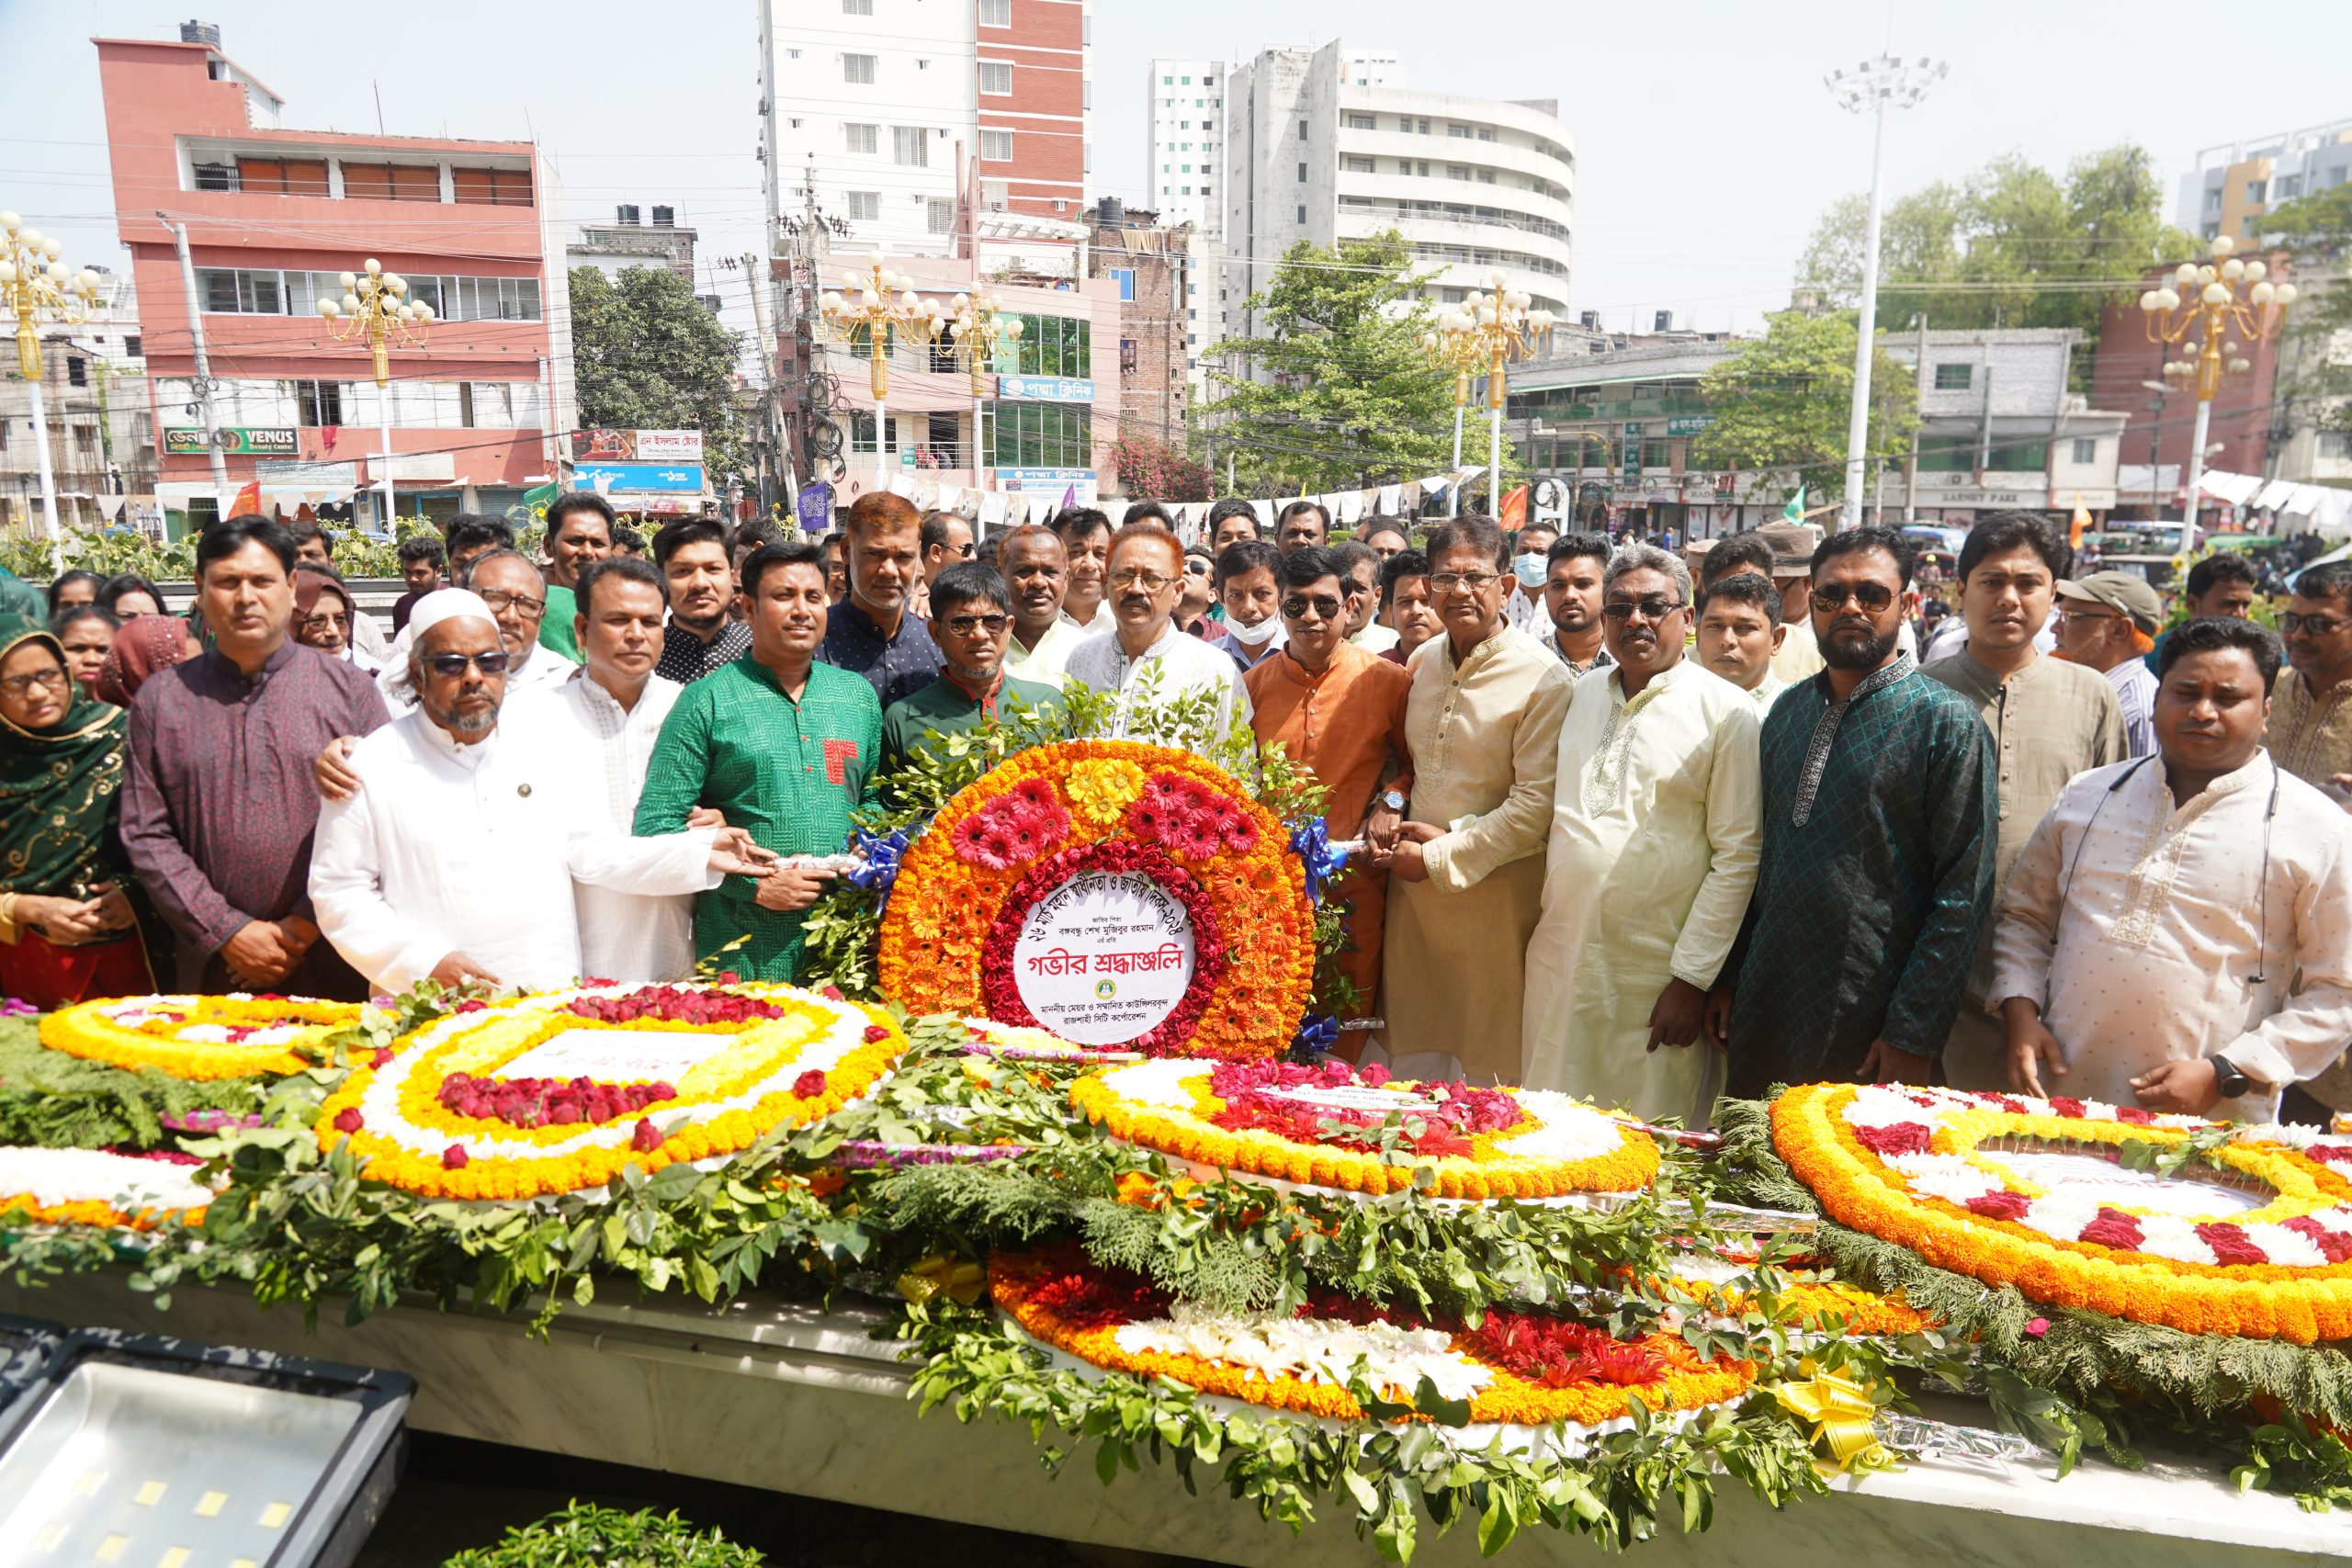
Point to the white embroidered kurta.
(1486, 742)
(2171, 944)
(1178, 664)
(1045, 662)
(1656, 828)
(473, 849)
(605, 749)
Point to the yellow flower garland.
(1860, 1189)
(1490, 1172)
(84, 1030)
(1688, 1384)
(505, 1033)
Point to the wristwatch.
(2229, 1080)
(1394, 801)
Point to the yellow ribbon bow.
(938, 1275)
(1843, 1415)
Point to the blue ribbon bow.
(882, 852)
(1311, 842)
(1319, 1033)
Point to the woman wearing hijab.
(142, 648)
(325, 616)
(74, 923)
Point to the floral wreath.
(1514, 1368)
(234, 1036)
(1337, 1126)
(2258, 1244)
(1724, 1282)
(1025, 1042)
(99, 1186)
(443, 1117)
(963, 888)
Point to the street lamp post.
(1491, 328)
(2212, 299)
(35, 286)
(374, 306)
(977, 326)
(1872, 87)
(867, 304)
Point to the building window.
(1302, 214)
(1050, 345)
(1041, 435)
(1126, 357)
(1361, 122)
(1302, 130)
(1301, 174)
(1485, 133)
(1955, 377)
(1125, 277)
(996, 195)
(1457, 171)
(1361, 166)
(996, 13)
(390, 182)
(942, 215)
(861, 138)
(292, 176)
(216, 176)
(996, 146)
(2335, 444)
(1405, 125)
(2213, 201)
(857, 70)
(996, 76)
(910, 144)
(77, 370)
(2257, 190)
(320, 403)
(490, 188)
(857, 7)
(2085, 450)
(864, 205)
(1460, 133)
(132, 347)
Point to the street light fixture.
(1492, 328)
(977, 327)
(867, 303)
(36, 286)
(1872, 87)
(2212, 299)
(374, 306)
(1453, 343)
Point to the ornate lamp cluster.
(375, 305)
(2204, 305)
(1492, 328)
(36, 286)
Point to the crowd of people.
(1640, 826)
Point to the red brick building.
(2127, 362)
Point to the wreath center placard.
(1104, 957)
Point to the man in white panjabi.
(1656, 830)
(2177, 933)
(455, 858)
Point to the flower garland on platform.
(444, 1117)
(1951, 1176)
(1332, 1125)
(1023, 1042)
(1515, 1369)
(99, 1186)
(1058, 811)
(234, 1036)
(1724, 1282)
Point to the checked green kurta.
(790, 772)
(1875, 878)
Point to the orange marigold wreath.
(1060, 811)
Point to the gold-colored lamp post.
(2213, 310)
(1454, 344)
(1491, 328)
(868, 303)
(36, 286)
(375, 306)
(978, 328)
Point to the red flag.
(248, 500)
(1514, 514)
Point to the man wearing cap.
(455, 858)
(2107, 622)
(1800, 655)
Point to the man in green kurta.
(1878, 845)
(971, 620)
(778, 744)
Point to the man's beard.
(459, 723)
(1867, 655)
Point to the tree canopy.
(649, 355)
(2316, 369)
(1781, 403)
(1338, 391)
(2011, 245)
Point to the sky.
(1706, 144)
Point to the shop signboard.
(1045, 389)
(237, 441)
(669, 447)
(646, 478)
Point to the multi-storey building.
(627, 241)
(1328, 145)
(101, 430)
(897, 112)
(2236, 182)
(1152, 263)
(272, 218)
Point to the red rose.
(347, 1120)
(646, 1139)
(383, 1058)
(453, 1158)
(876, 1035)
(809, 1084)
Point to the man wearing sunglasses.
(1340, 710)
(971, 621)
(1169, 688)
(1880, 830)
(1655, 835)
(455, 858)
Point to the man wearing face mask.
(1530, 551)
(1247, 587)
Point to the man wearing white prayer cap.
(455, 858)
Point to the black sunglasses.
(449, 666)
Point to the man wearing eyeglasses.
(1880, 830)
(517, 596)
(455, 858)
(1340, 710)
(1151, 668)
(1655, 837)
(971, 622)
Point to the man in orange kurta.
(1340, 711)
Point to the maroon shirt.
(218, 801)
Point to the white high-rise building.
(1328, 145)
